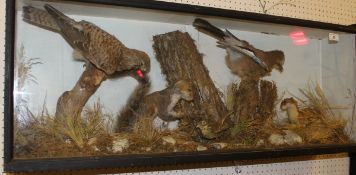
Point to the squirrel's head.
(185, 89)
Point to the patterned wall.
(330, 11)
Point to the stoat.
(291, 106)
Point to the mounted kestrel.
(92, 43)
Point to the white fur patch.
(162, 125)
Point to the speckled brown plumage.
(96, 45)
(104, 54)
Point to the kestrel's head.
(137, 62)
(145, 63)
(278, 57)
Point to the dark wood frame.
(63, 164)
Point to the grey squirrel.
(157, 104)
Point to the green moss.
(238, 128)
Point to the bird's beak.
(279, 67)
(140, 76)
(139, 73)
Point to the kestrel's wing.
(71, 30)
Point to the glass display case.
(106, 84)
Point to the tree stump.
(71, 103)
(255, 99)
(180, 59)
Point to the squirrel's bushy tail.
(128, 114)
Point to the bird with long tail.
(242, 58)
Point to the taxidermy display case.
(106, 84)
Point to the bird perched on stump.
(90, 42)
(242, 58)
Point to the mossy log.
(180, 59)
(71, 103)
(255, 100)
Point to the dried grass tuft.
(317, 101)
(23, 69)
(81, 129)
(45, 136)
(247, 132)
(23, 76)
(353, 114)
(145, 130)
(321, 125)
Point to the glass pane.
(108, 80)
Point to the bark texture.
(255, 99)
(180, 59)
(71, 103)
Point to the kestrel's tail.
(40, 18)
(71, 30)
(204, 26)
(58, 16)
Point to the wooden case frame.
(78, 163)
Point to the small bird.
(206, 130)
(91, 43)
(242, 58)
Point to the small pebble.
(292, 138)
(219, 145)
(169, 139)
(119, 144)
(201, 148)
(261, 142)
(276, 139)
